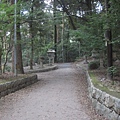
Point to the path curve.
(58, 95)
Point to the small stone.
(117, 106)
(109, 102)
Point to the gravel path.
(59, 95)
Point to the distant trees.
(37, 30)
(72, 27)
(32, 24)
(93, 23)
(6, 30)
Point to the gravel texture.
(58, 95)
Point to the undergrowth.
(100, 86)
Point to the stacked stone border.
(12, 86)
(104, 104)
(54, 67)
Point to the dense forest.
(73, 28)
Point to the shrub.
(93, 65)
(7, 68)
(112, 70)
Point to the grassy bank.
(98, 84)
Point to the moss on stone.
(99, 85)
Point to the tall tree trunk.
(62, 3)
(0, 61)
(13, 59)
(32, 36)
(63, 22)
(109, 53)
(89, 5)
(108, 35)
(19, 64)
(1, 53)
(55, 41)
(19, 51)
(32, 51)
(55, 31)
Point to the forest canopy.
(73, 28)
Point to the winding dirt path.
(58, 95)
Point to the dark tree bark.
(109, 51)
(62, 3)
(89, 4)
(32, 51)
(55, 41)
(66, 9)
(108, 35)
(32, 36)
(19, 52)
(0, 61)
(55, 32)
(19, 63)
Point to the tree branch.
(67, 12)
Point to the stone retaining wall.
(105, 104)
(42, 70)
(12, 86)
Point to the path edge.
(105, 104)
(54, 67)
(12, 86)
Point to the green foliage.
(112, 70)
(93, 65)
(41, 31)
(90, 26)
(7, 68)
